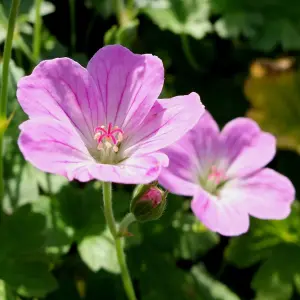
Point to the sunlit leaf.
(274, 94)
(263, 236)
(189, 17)
(99, 252)
(209, 288)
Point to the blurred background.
(242, 57)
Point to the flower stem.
(37, 31)
(110, 220)
(128, 219)
(187, 51)
(4, 86)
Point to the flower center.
(108, 138)
(215, 179)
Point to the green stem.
(110, 220)
(120, 12)
(187, 51)
(4, 86)
(37, 31)
(72, 26)
(128, 219)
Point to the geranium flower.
(224, 173)
(105, 121)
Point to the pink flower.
(224, 173)
(105, 121)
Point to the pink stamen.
(108, 134)
(216, 175)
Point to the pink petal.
(265, 194)
(167, 122)
(128, 83)
(52, 146)
(134, 170)
(222, 215)
(191, 156)
(246, 147)
(62, 90)
(179, 177)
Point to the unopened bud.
(149, 203)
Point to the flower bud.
(149, 203)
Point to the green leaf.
(264, 235)
(22, 258)
(22, 187)
(81, 210)
(274, 279)
(189, 17)
(209, 288)
(58, 235)
(46, 9)
(195, 239)
(266, 24)
(124, 35)
(274, 96)
(98, 252)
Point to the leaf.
(274, 279)
(22, 259)
(81, 210)
(274, 95)
(124, 35)
(263, 236)
(46, 9)
(99, 252)
(22, 187)
(266, 24)
(209, 288)
(50, 183)
(195, 239)
(189, 17)
(58, 235)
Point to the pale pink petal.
(134, 170)
(63, 90)
(265, 194)
(179, 177)
(246, 147)
(167, 122)
(190, 157)
(223, 215)
(129, 84)
(52, 146)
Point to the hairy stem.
(110, 220)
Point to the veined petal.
(63, 90)
(167, 122)
(128, 83)
(246, 147)
(265, 194)
(134, 170)
(222, 215)
(52, 146)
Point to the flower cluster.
(106, 122)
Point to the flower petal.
(134, 170)
(265, 194)
(246, 147)
(222, 215)
(167, 122)
(52, 146)
(129, 84)
(62, 90)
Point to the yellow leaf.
(273, 89)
